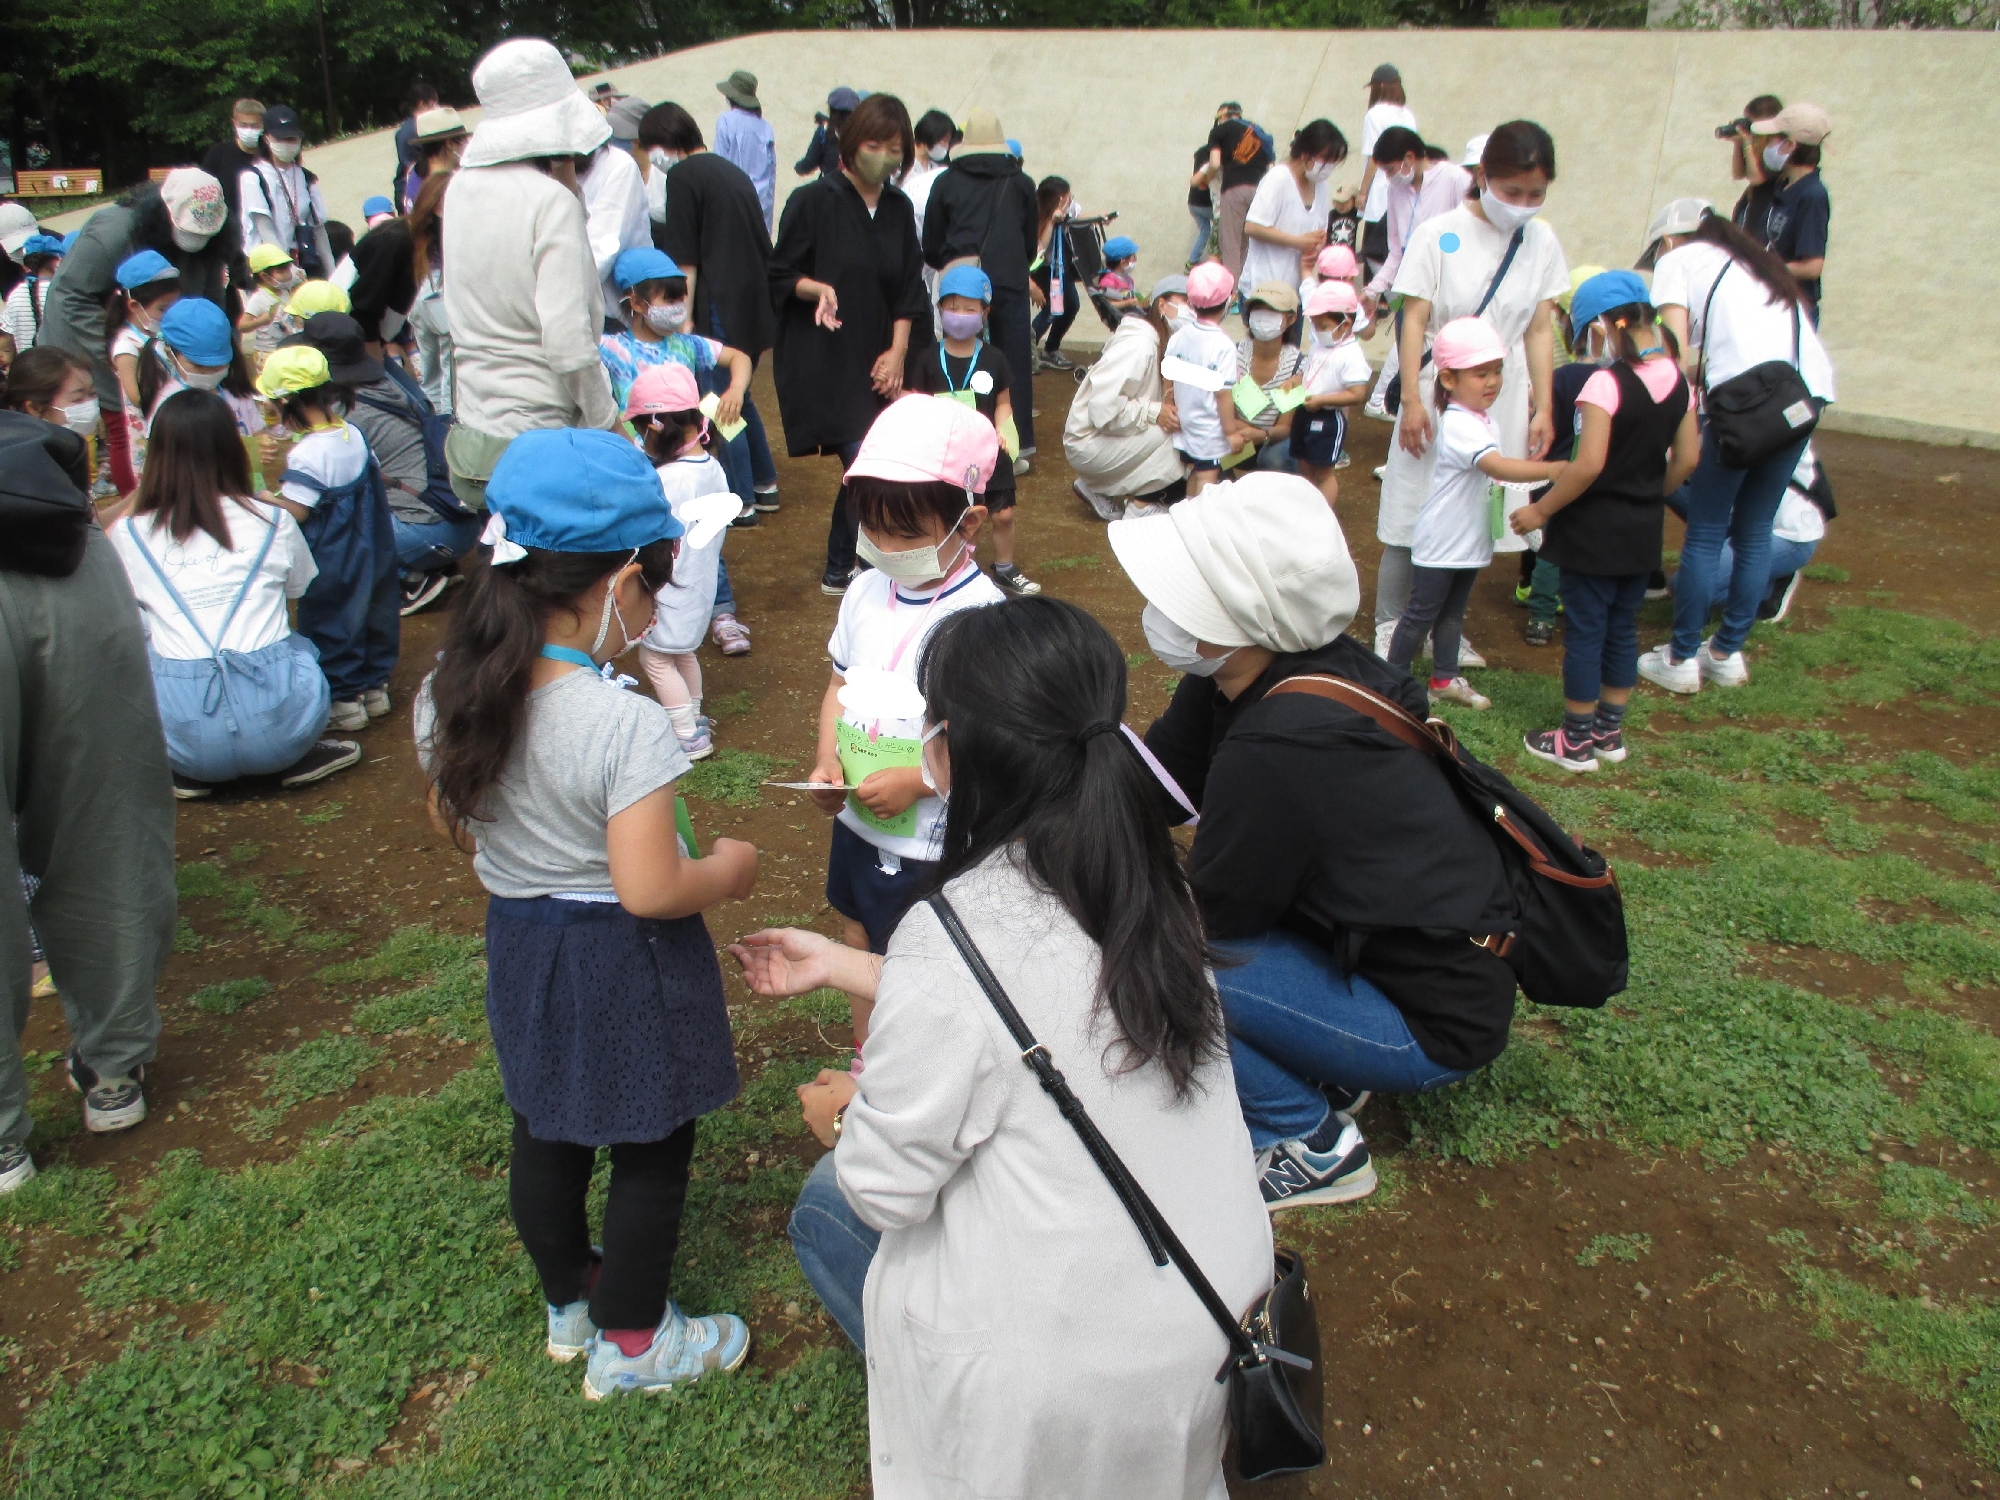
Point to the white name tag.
(1799, 413)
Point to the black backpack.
(1569, 945)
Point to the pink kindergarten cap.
(1466, 343)
(1209, 285)
(658, 388)
(927, 439)
(1332, 297)
(1336, 261)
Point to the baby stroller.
(1086, 253)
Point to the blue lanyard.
(945, 365)
(569, 654)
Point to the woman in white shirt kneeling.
(240, 694)
(1019, 1340)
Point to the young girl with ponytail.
(602, 988)
(1637, 441)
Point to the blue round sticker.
(1448, 243)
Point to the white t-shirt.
(1208, 346)
(1378, 119)
(1333, 368)
(1748, 329)
(883, 627)
(334, 456)
(209, 576)
(683, 607)
(1277, 205)
(1453, 529)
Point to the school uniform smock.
(1021, 1343)
(1450, 262)
(872, 262)
(1112, 436)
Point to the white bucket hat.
(532, 107)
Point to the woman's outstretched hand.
(785, 960)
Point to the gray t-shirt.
(396, 438)
(587, 752)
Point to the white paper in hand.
(871, 694)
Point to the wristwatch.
(839, 1116)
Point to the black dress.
(716, 223)
(825, 395)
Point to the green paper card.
(963, 398)
(684, 829)
(1289, 400)
(708, 405)
(861, 757)
(1242, 455)
(1496, 510)
(1250, 397)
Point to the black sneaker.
(1777, 600)
(1608, 747)
(320, 762)
(1014, 581)
(108, 1103)
(1539, 632)
(421, 590)
(1558, 749)
(1344, 1100)
(187, 789)
(766, 500)
(745, 519)
(1293, 1176)
(16, 1167)
(834, 584)
(1656, 585)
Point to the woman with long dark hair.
(1288, 216)
(1732, 305)
(436, 360)
(992, 1249)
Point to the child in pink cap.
(1336, 379)
(916, 488)
(1208, 431)
(1337, 263)
(663, 406)
(1464, 514)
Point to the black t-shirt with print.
(939, 373)
(1244, 159)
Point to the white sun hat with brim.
(1259, 561)
(532, 107)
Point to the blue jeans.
(1275, 458)
(834, 1248)
(725, 596)
(1601, 638)
(1786, 558)
(1295, 1022)
(1204, 226)
(1738, 506)
(428, 546)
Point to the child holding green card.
(917, 486)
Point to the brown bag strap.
(1390, 715)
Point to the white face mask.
(80, 418)
(924, 763)
(662, 158)
(1775, 157)
(1319, 171)
(1265, 326)
(286, 152)
(1403, 174)
(667, 317)
(201, 380)
(247, 136)
(913, 564)
(1175, 647)
(940, 152)
(191, 242)
(1179, 315)
(1503, 216)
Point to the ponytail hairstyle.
(1049, 194)
(153, 372)
(1516, 149)
(291, 409)
(479, 692)
(427, 226)
(1033, 691)
(1637, 315)
(194, 458)
(1779, 285)
(664, 434)
(118, 303)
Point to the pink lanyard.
(923, 614)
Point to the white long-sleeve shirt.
(525, 306)
(614, 203)
(274, 201)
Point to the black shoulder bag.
(1275, 1389)
(1392, 393)
(1764, 410)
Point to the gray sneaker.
(109, 1104)
(16, 1167)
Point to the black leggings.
(1438, 597)
(1057, 324)
(547, 1183)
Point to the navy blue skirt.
(609, 1027)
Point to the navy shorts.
(860, 891)
(1317, 437)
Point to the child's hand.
(784, 960)
(1528, 518)
(828, 771)
(728, 410)
(822, 1099)
(889, 793)
(739, 860)
(270, 454)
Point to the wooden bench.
(71, 182)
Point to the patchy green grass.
(728, 705)
(73, 1200)
(229, 996)
(186, 939)
(733, 777)
(330, 1064)
(323, 816)
(1067, 564)
(1826, 573)
(1917, 1195)
(448, 978)
(1624, 1248)
(243, 901)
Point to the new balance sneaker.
(1659, 668)
(348, 715)
(1458, 690)
(1468, 654)
(1558, 749)
(1723, 671)
(320, 762)
(683, 1349)
(1344, 1101)
(16, 1167)
(1055, 359)
(375, 702)
(421, 591)
(731, 634)
(1608, 747)
(108, 1103)
(570, 1330)
(1539, 632)
(187, 789)
(1292, 1175)
(1014, 581)
(765, 500)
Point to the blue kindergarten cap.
(370, 207)
(1119, 246)
(197, 330)
(574, 489)
(42, 244)
(145, 268)
(1604, 291)
(644, 264)
(966, 281)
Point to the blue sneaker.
(1292, 1175)
(570, 1331)
(683, 1349)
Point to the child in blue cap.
(148, 284)
(653, 304)
(196, 348)
(22, 315)
(975, 373)
(1116, 281)
(602, 989)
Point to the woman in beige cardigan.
(1019, 1339)
(1119, 435)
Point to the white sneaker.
(1723, 671)
(376, 701)
(348, 715)
(1135, 509)
(1380, 470)
(1659, 668)
(1105, 508)
(1385, 632)
(1468, 654)
(1458, 690)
